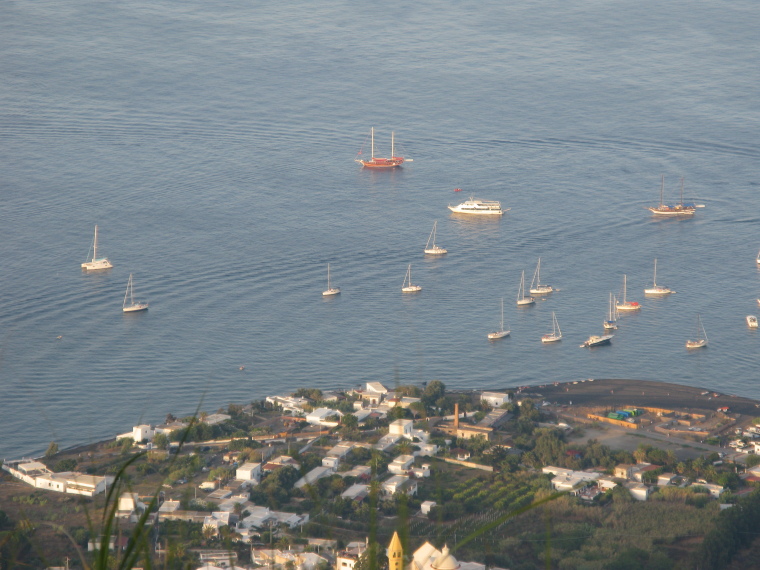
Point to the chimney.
(456, 415)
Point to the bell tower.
(395, 554)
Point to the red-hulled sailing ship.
(375, 162)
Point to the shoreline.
(612, 392)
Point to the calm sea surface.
(213, 144)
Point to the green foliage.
(5, 520)
(753, 460)
(434, 391)
(310, 393)
(275, 490)
(398, 413)
(409, 391)
(161, 441)
(635, 559)
(65, 465)
(52, 449)
(350, 421)
(735, 529)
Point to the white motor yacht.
(478, 207)
(597, 340)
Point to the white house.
(401, 464)
(314, 475)
(376, 387)
(387, 441)
(494, 399)
(143, 432)
(291, 404)
(249, 472)
(606, 483)
(715, 490)
(420, 472)
(36, 474)
(399, 484)
(320, 415)
(426, 449)
(426, 506)
(356, 492)
(665, 479)
(213, 419)
(401, 427)
(130, 503)
(638, 491)
(567, 479)
(358, 471)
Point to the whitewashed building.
(249, 472)
(401, 428)
(494, 399)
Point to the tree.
(350, 421)
(396, 413)
(52, 449)
(434, 391)
(161, 441)
(418, 409)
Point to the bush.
(65, 465)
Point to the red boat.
(375, 162)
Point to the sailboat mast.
(131, 291)
(328, 276)
(393, 151)
(625, 277)
(682, 191)
(95, 244)
(654, 279)
(373, 142)
(662, 188)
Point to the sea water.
(213, 144)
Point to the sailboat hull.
(498, 334)
(137, 307)
(331, 291)
(97, 264)
(392, 162)
(435, 250)
(696, 343)
(659, 290)
(551, 338)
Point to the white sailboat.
(132, 306)
(701, 341)
(656, 289)
(535, 285)
(502, 332)
(330, 290)
(434, 250)
(407, 286)
(627, 305)
(96, 263)
(522, 300)
(556, 333)
(752, 321)
(612, 315)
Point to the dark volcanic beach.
(616, 392)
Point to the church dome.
(445, 561)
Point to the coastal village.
(414, 477)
